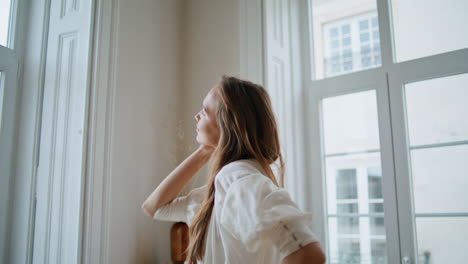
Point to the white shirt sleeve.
(182, 208)
(256, 211)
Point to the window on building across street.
(352, 44)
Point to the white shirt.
(253, 220)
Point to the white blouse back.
(253, 220)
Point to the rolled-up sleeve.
(291, 236)
(182, 208)
(256, 211)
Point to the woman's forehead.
(210, 99)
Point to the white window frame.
(388, 81)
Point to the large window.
(388, 95)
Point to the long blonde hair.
(248, 130)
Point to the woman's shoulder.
(238, 170)
(242, 165)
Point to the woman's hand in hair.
(208, 149)
(173, 184)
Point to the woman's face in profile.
(207, 129)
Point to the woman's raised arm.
(171, 186)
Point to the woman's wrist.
(205, 150)
(202, 155)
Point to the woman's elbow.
(310, 254)
(147, 210)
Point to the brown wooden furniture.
(179, 242)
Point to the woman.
(241, 215)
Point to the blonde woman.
(242, 214)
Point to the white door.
(60, 180)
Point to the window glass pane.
(4, 21)
(347, 208)
(345, 37)
(377, 226)
(374, 176)
(357, 115)
(353, 179)
(351, 186)
(437, 116)
(348, 225)
(440, 179)
(346, 185)
(442, 239)
(446, 20)
(379, 251)
(437, 110)
(347, 234)
(376, 208)
(439, 169)
(349, 251)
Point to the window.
(346, 37)
(5, 10)
(353, 44)
(340, 56)
(374, 176)
(346, 187)
(349, 251)
(369, 41)
(412, 38)
(438, 147)
(354, 186)
(388, 98)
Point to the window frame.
(388, 80)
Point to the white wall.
(210, 48)
(145, 115)
(170, 53)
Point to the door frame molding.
(94, 248)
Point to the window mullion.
(385, 32)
